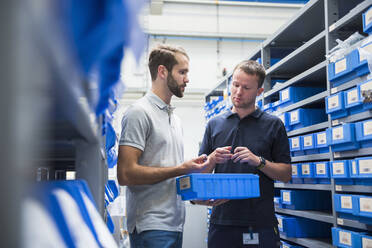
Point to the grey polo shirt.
(150, 126)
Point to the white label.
(336, 154)
(320, 169)
(294, 116)
(352, 96)
(338, 168)
(346, 202)
(353, 167)
(308, 140)
(345, 238)
(333, 102)
(368, 48)
(280, 223)
(338, 188)
(367, 128)
(335, 122)
(366, 86)
(364, 51)
(286, 196)
(365, 166)
(286, 246)
(185, 183)
(366, 243)
(337, 133)
(294, 170)
(305, 169)
(368, 17)
(340, 66)
(285, 94)
(282, 118)
(71, 175)
(321, 138)
(340, 221)
(296, 142)
(334, 90)
(365, 204)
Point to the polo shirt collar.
(256, 114)
(154, 99)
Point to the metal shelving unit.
(316, 127)
(309, 242)
(326, 187)
(354, 224)
(353, 188)
(312, 157)
(313, 99)
(314, 215)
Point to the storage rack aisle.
(300, 89)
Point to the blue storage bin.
(305, 199)
(353, 101)
(308, 173)
(287, 245)
(340, 171)
(362, 170)
(345, 239)
(295, 146)
(364, 89)
(366, 240)
(363, 132)
(359, 63)
(297, 227)
(306, 117)
(341, 71)
(342, 137)
(321, 142)
(322, 172)
(335, 105)
(296, 174)
(293, 94)
(344, 206)
(203, 186)
(363, 208)
(284, 118)
(367, 21)
(308, 144)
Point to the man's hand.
(244, 155)
(221, 154)
(211, 202)
(196, 165)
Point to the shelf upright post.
(265, 58)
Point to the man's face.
(244, 89)
(178, 78)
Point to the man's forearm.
(278, 171)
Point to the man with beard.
(151, 155)
(247, 140)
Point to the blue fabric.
(110, 223)
(155, 239)
(110, 136)
(112, 158)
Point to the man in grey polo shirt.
(151, 155)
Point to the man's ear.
(162, 72)
(260, 90)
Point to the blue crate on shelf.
(296, 174)
(366, 240)
(305, 199)
(359, 63)
(297, 227)
(363, 208)
(363, 131)
(341, 71)
(365, 88)
(340, 171)
(353, 101)
(203, 186)
(361, 170)
(344, 205)
(345, 238)
(303, 117)
(284, 117)
(308, 144)
(293, 94)
(287, 245)
(322, 172)
(321, 142)
(295, 146)
(342, 137)
(367, 21)
(335, 105)
(308, 173)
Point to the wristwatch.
(262, 163)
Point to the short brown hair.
(163, 55)
(252, 67)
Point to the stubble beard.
(174, 87)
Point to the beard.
(174, 87)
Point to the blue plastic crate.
(363, 208)
(359, 62)
(362, 170)
(287, 245)
(353, 101)
(345, 238)
(293, 94)
(284, 118)
(367, 21)
(308, 173)
(343, 204)
(321, 142)
(308, 144)
(301, 117)
(296, 174)
(340, 171)
(203, 186)
(341, 71)
(342, 137)
(364, 89)
(305, 199)
(295, 146)
(363, 132)
(322, 172)
(335, 105)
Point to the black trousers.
(222, 236)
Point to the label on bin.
(345, 238)
(346, 202)
(294, 116)
(340, 66)
(366, 242)
(365, 204)
(365, 166)
(285, 94)
(333, 102)
(294, 170)
(367, 128)
(308, 140)
(368, 17)
(286, 196)
(285, 246)
(352, 96)
(353, 167)
(296, 142)
(337, 133)
(365, 50)
(305, 169)
(321, 138)
(366, 86)
(320, 169)
(185, 183)
(280, 223)
(338, 168)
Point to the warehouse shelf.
(353, 118)
(313, 99)
(218, 88)
(309, 242)
(354, 224)
(326, 187)
(353, 153)
(348, 85)
(294, 64)
(316, 127)
(312, 157)
(309, 214)
(314, 75)
(353, 188)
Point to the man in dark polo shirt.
(246, 140)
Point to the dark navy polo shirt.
(264, 135)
